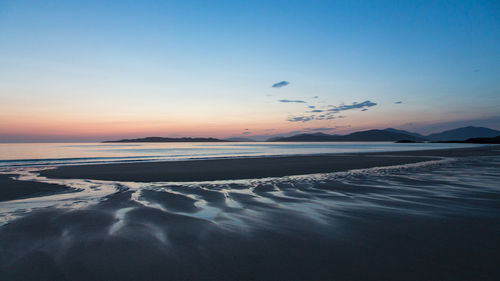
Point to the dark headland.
(495, 140)
(161, 139)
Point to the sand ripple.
(292, 228)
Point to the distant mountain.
(389, 134)
(160, 139)
(405, 132)
(302, 137)
(381, 135)
(322, 134)
(370, 135)
(464, 133)
(240, 139)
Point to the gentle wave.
(16, 155)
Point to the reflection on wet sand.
(405, 222)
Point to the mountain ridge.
(391, 134)
(464, 133)
(368, 135)
(388, 134)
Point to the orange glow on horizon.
(23, 124)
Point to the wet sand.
(11, 189)
(250, 168)
(427, 222)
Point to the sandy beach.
(436, 221)
(249, 168)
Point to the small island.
(161, 139)
(408, 141)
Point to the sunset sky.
(97, 70)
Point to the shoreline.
(255, 167)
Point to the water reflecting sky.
(435, 220)
(21, 154)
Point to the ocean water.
(436, 220)
(42, 154)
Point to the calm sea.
(39, 154)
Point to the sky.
(97, 70)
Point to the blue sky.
(96, 69)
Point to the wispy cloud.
(296, 101)
(324, 117)
(281, 84)
(326, 128)
(329, 112)
(354, 105)
(320, 129)
(300, 118)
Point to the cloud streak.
(325, 117)
(354, 105)
(280, 84)
(292, 101)
(331, 112)
(300, 118)
(327, 128)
